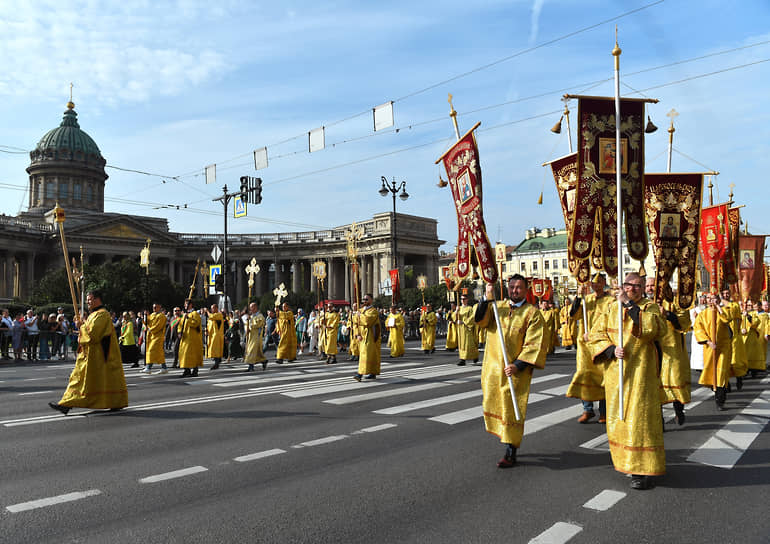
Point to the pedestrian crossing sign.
(214, 271)
(240, 206)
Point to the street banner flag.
(211, 174)
(751, 266)
(730, 259)
(316, 139)
(595, 200)
(714, 239)
(566, 178)
(260, 158)
(673, 203)
(383, 116)
(462, 166)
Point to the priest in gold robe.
(467, 332)
(717, 348)
(636, 441)
(156, 336)
(675, 362)
(526, 346)
(395, 324)
(287, 344)
(353, 332)
(451, 328)
(568, 330)
(739, 364)
(588, 381)
(370, 340)
(215, 330)
(255, 331)
(750, 330)
(331, 324)
(428, 329)
(97, 381)
(191, 341)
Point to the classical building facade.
(67, 167)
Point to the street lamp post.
(393, 188)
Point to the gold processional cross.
(280, 292)
(251, 270)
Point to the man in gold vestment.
(568, 328)
(97, 381)
(156, 335)
(751, 327)
(370, 340)
(636, 441)
(526, 346)
(287, 344)
(675, 363)
(451, 328)
(717, 349)
(331, 324)
(395, 324)
(739, 364)
(191, 341)
(467, 332)
(353, 332)
(255, 329)
(428, 329)
(588, 381)
(215, 329)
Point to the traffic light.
(256, 191)
(219, 283)
(244, 187)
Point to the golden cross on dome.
(672, 115)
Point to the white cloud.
(537, 7)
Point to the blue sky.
(170, 87)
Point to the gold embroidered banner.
(714, 241)
(672, 204)
(751, 256)
(595, 200)
(730, 265)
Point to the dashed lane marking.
(50, 501)
(381, 394)
(605, 500)
(173, 474)
(259, 455)
(559, 533)
(320, 441)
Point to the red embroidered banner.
(672, 203)
(464, 171)
(395, 285)
(539, 289)
(595, 200)
(751, 254)
(714, 240)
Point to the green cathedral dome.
(68, 140)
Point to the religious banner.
(461, 162)
(395, 285)
(672, 203)
(541, 288)
(595, 199)
(565, 175)
(751, 253)
(714, 240)
(730, 266)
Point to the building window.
(534, 266)
(626, 259)
(524, 268)
(50, 191)
(546, 264)
(564, 263)
(555, 264)
(76, 191)
(89, 193)
(63, 190)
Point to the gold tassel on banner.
(540, 199)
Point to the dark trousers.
(32, 343)
(5, 343)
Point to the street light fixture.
(393, 188)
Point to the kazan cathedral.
(66, 166)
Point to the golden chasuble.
(371, 342)
(675, 366)
(97, 381)
(395, 324)
(255, 334)
(287, 344)
(428, 330)
(588, 380)
(703, 331)
(216, 335)
(467, 333)
(636, 442)
(156, 335)
(191, 343)
(451, 330)
(331, 325)
(523, 331)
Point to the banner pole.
(619, 196)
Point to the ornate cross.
(280, 292)
(353, 235)
(732, 186)
(672, 115)
(251, 270)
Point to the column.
(8, 275)
(348, 294)
(362, 276)
(28, 273)
(262, 281)
(296, 278)
(313, 280)
(377, 264)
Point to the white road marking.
(549, 377)
(559, 391)
(259, 455)
(35, 393)
(376, 428)
(559, 416)
(428, 403)
(605, 500)
(389, 393)
(346, 386)
(50, 501)
(727, 445)
(453, 418)
(430, 373)
(173, 474)
(40, 419)
(321, 441)
(601, 442)
(559, 533)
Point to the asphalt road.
(303, 453)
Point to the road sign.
(239, 206)
(216, 253)
(214, 271)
